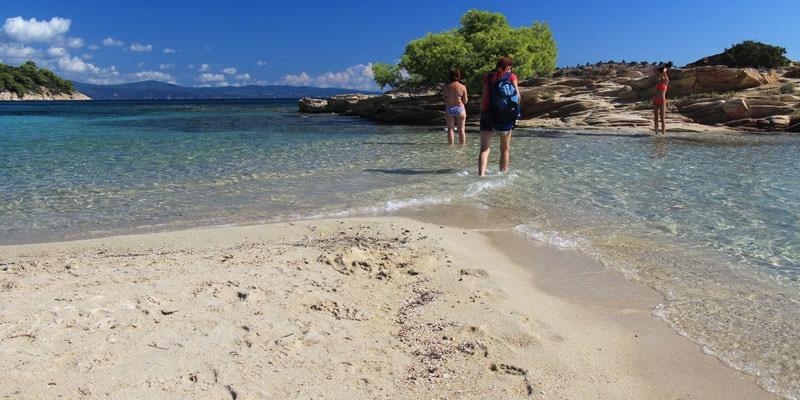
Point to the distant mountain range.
(154, 90)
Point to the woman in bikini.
(455, 97)
(660, 98)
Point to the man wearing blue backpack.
(500, 109)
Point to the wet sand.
(361, 308)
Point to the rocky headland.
(43, 96)
(702, 99)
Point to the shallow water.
(714, 225)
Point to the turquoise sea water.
(713, 224)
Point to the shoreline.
(565, 273)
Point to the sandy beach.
(382, 307)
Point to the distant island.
(29, 82)
(154, 90)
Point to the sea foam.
(552, 238)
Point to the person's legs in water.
(451, 125)
(483, 157)
(461, 122)
(655, 117)
(505, 150)
(662, 109)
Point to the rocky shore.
(708, 98)
(44, 96)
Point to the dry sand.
(336, 309)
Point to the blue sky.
(331, 43)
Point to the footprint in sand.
(474, 272)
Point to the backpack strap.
(488, 81)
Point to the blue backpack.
(505, 107)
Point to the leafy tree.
(429, 58)
(754, 54)
(476, 21)
(388, 75)
(28, 78)
(475, 46)
(748, 54)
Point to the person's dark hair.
(454, 74)
(503, 63)
(665, 66)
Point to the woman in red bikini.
(660, 98)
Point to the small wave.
(492, 183)
(396, 205)
(388, 206)
(551, 237)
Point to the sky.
(333, 43)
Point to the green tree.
(388, 75)
(475, 46)
(754, 54)
(474, 22)
(429, 58)
(748, 54)
(28, 78)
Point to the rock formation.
(700, 98)
(45, 95)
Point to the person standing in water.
(660, 98)
(455, 112)
(500, 108)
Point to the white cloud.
(302, 79)
(32, 30)
(93, 47)
(190, 66)
(103, 81)
(75, 64)
(104, 76)
(16, 51)
(229, 71)
(111, 42)
(204, 67)
(75, 43)
(166, 66)
(154, 76)
(209, 77)
(57, 57)
(56, 52)
(243, 77)
(261, 63)
(354, 77)
(169, 51)
(140, 64)
(141, 47)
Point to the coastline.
(702, 99)
(45, 96)
(444, 316)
